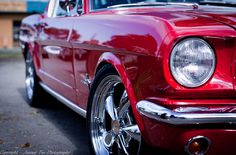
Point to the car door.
(57, 53)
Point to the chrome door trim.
(56, 50)
(65, 101)
(55, 79)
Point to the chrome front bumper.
(165, 115)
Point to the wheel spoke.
(110, 107)
(29, 60)
(109, 139)
(123, 109)
(30, 71)
(123, 143)
(124, 105)
(32, 82)
(29, 80)
(133, 131)
(115, 119)
(124, 97)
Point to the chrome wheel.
(29, 79)
(112, 125)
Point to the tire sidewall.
(105, 71)
(32, 101)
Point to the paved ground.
(52, 129)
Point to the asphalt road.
(51, 129)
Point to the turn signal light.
(197, 145)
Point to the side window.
(61, 8)
(101, 4)
(65, 7)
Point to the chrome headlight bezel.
(179, 76)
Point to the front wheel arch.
(110, 59)
(108, 84)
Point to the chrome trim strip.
(194, 5)
(55, 79)
(55, 50)
(165, 115)
(65, 101)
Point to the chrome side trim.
(86, 81)
(55, 79)
(65, 101)
(165, 115)
(56, 50)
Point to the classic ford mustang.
(154, 73)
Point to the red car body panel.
(174, 138)
(58, 67)
(138, 43)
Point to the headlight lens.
(192, 62)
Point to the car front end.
(192, 107)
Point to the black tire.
(34, 92)
(107, 84)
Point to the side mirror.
(67, 5)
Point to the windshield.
(101, 4)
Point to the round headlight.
(192, 62)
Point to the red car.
(160, 72)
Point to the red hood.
(187, 16)
(207, 21)
(226, 15)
